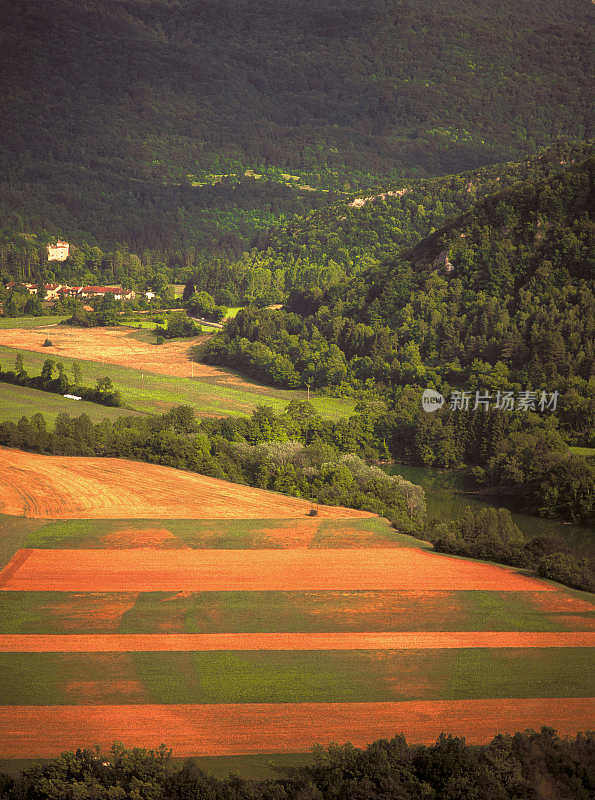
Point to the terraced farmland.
(224, 635)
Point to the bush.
(566, 568)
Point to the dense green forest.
(499, 299)
(320, 248)
(523, 765)
(163, 124)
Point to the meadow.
(16, 401)
(148, 392)
(31, 322)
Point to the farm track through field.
(15, 563)
(412, 640)
(228, 729)
(153, 569)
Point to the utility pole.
(308, 387)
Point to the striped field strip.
(233, 729)
(117, 643)
(153, 570)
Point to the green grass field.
(138, 322)
(13, 535)
(148, 392)
(224, 534)
(31, 322)
(285, 676)
(16, 401)
(285, 612)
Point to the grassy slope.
(18, 400)
(13, 535)
(151, 393)
(277, 612)
(30, 322)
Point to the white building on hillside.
(59, 251)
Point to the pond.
(446, 499)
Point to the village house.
(51, 289)
(69, 291)
(117, 292)
(54, 291)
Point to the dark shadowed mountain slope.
(118, 114)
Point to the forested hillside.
(119, 117)
(498, 300)
(499, 295)
(318, 248)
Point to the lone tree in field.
(77, 373)
(47, 370)
(19, 366)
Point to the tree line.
(295, 452)
(491, 534)
(511, 766)
(54, 378)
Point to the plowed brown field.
(58, 487)
(196, 642)
(118, 346)
(156, 570)
(221, 729)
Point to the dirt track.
(222, 729)
(192, 642)
(152, 569)
(60, 487)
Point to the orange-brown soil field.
(119, 346)
(145, 537)
(196, 642)
(232, 729)
(153, 570)
(69, 487)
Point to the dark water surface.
(446, 499)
